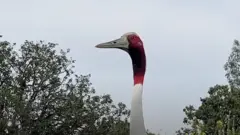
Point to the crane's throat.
(139, 64)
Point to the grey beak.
(118, 43)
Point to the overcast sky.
(186, 42)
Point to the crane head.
(125, 42)
(133, 45)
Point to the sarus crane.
(133, 45)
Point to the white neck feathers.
(137, 126)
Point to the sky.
(186, 42)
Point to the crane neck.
(137, 126)
(138, 57)
(139, 64)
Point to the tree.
(219, 113)
(41, 95)
(232, 66)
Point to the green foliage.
(41, 95)
(219, 112)
(232, 66)
(219, 125)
